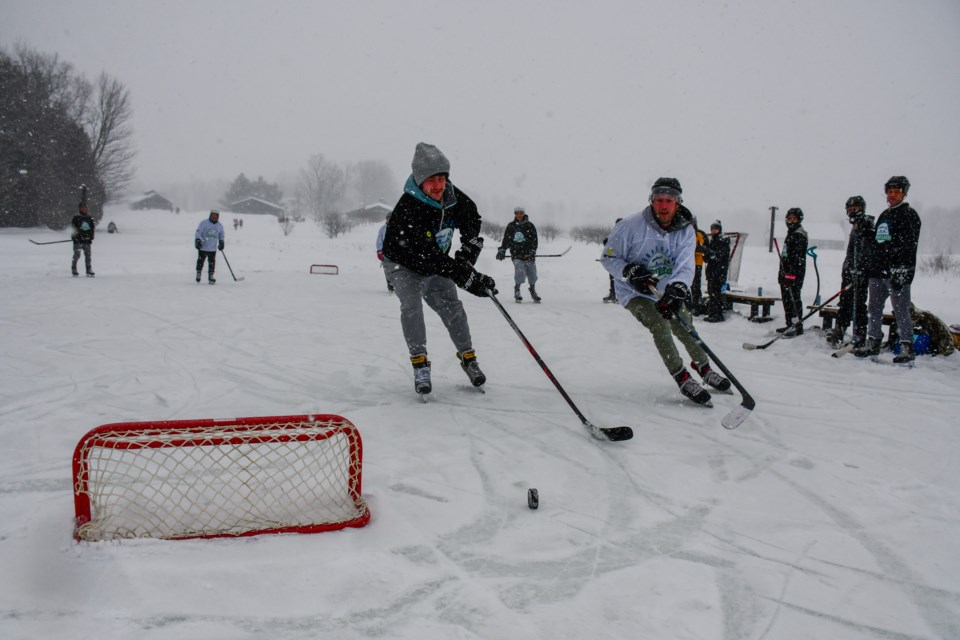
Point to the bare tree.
(107, 122)
(589, 234)
(548, 232)
(286, 224)
(335, 224)
(493, 230)
(322, 185)
(373, 182)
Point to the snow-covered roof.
(255, 199)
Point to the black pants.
(210, 257)
(792, 304)
(715, 302)
(853, 304)
(696, 293)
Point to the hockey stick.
(51, 242)
(554, 255)
(235, 278)
(812, 252)
(751, 347)
(736, 417)
(615, 434)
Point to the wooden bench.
(829, 315)
(759, 305)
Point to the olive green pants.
(645, 310)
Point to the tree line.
(58, 131)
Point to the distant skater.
(208, 239)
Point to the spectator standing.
(520, 237)
(208, 238)
(793, 268)
(696, 289)
(380, 236)
(853, 276)
(891, 267)
(717, 257)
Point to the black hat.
(897, 182)
(795, 211)
(669, 186)
(856, 201)
(716, 225)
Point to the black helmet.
(856, 201)
(897, 182)
(795, 211)
(669, 186)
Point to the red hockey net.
(325, 269)
(218, 478)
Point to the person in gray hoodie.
(207, 240)
(654, 250)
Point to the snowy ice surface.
(832, 513)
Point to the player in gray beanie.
(428, 161)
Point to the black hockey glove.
(501, 253)
(220, 246)
(471, 280)
(197, 244)
(639, 277)
(900, 277)
(470, 250)
(672, 299)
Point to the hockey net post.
(208, 478)
(738, 241)
(325, 269)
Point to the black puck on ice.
(533, 498)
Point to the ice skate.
(690, 388)
(468, 361)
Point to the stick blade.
(612, 434)
(750, 346)
(736, 417)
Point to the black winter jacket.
(521, 238)
(421, 230)
(793, 259)
(717, 257)
(895, 241)
(858, 250)
(83, 228)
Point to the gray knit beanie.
(428, 161)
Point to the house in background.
(151, 200)
(256, 205)
(375, 212)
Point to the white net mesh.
(738, 241)
(220, 479)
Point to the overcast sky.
(749, 103)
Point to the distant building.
(256, 205)
(371, 213)
(151, 200)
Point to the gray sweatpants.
(524, 270)
(880, 289)
(87, 250)
(440, 294)
(663, 330)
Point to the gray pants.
(524, 270)
(440, 294)
(77, 247)
(645, 310)
(880, 289)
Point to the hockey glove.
(501, 253)
(470, 250)
(220, 246)
(789, 277)
(197, 244)
(471, 280)
(380, 256)
(672, 299)
(639, 277)
(900, 277)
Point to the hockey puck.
(533, 498)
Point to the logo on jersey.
(883, 233)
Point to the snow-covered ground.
(833, 512)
